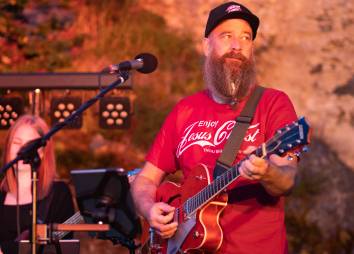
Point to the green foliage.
(151, 112)
(74, 159)
(33, 35)
(125, 29)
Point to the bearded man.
(197, 129)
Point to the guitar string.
(61, 234)
(75, 219)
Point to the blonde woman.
(55, 202)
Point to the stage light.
(61, 108)
(10, 110)
(114, 113)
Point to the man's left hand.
(254, 168)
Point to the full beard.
(228, 79)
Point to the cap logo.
(233, 8)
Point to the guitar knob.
(196, 234)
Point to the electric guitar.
(200, 201)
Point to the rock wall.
(304, 48)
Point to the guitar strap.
(2, 197)
(234, 142)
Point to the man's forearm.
(144, 191)
(280, 180)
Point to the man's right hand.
(160, 218)
(159, 215)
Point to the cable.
(18, 224)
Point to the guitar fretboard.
(75, 219)
(211, 190)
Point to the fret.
(229, 176)
(177, 215)
(190, 205)
(218, 184)
(199, 201)
(205, 195)
(192, 200)
(195, 203)
(210, 190)
(185, 206)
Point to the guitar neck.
(75, 219)
(210, 191)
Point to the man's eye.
(226, 36)
(246, 37)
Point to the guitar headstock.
(291, 137)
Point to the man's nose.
(235, 44)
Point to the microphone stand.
(29, 152)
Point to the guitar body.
(200, 232)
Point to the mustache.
(234, 55)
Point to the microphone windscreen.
(150, 62)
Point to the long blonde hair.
(47, 169)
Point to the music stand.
(103, 195)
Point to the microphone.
(144, 63)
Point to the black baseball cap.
(231, 10)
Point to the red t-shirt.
(195, 132)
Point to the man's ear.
(206, 46)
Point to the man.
(196, 131)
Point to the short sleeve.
(163, 150)
(281, 112)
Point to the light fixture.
(62, 107)
(114, 113)
(10, 109)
